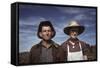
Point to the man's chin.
(47, 39)
(73, 37)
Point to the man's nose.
(47, 32)
(74, 32)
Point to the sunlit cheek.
(45, 34)
(50, 33)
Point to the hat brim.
(80, 29)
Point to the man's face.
(73, 33)
(46, 33)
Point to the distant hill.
(93, 50)
(24, 58)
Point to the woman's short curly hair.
(45, 23)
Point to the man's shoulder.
(84, 44)
(64, 43)
(55, 44)
(35, 46)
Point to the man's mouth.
(75, 34)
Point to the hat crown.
(73, 23)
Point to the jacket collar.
(73, 40)
(53, 44)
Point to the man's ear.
(40, 34)
(52, 33)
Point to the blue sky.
(31, 15)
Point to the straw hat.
(74, 25)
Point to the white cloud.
(31, 21)
(30, 25)
(69, 10)
(83, 17)
(89, 25)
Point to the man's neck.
(45, 43)
(73, 39)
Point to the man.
(47, 50)
(74, 48)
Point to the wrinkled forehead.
(46, 28)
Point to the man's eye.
(49, 30)
(44, 31)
